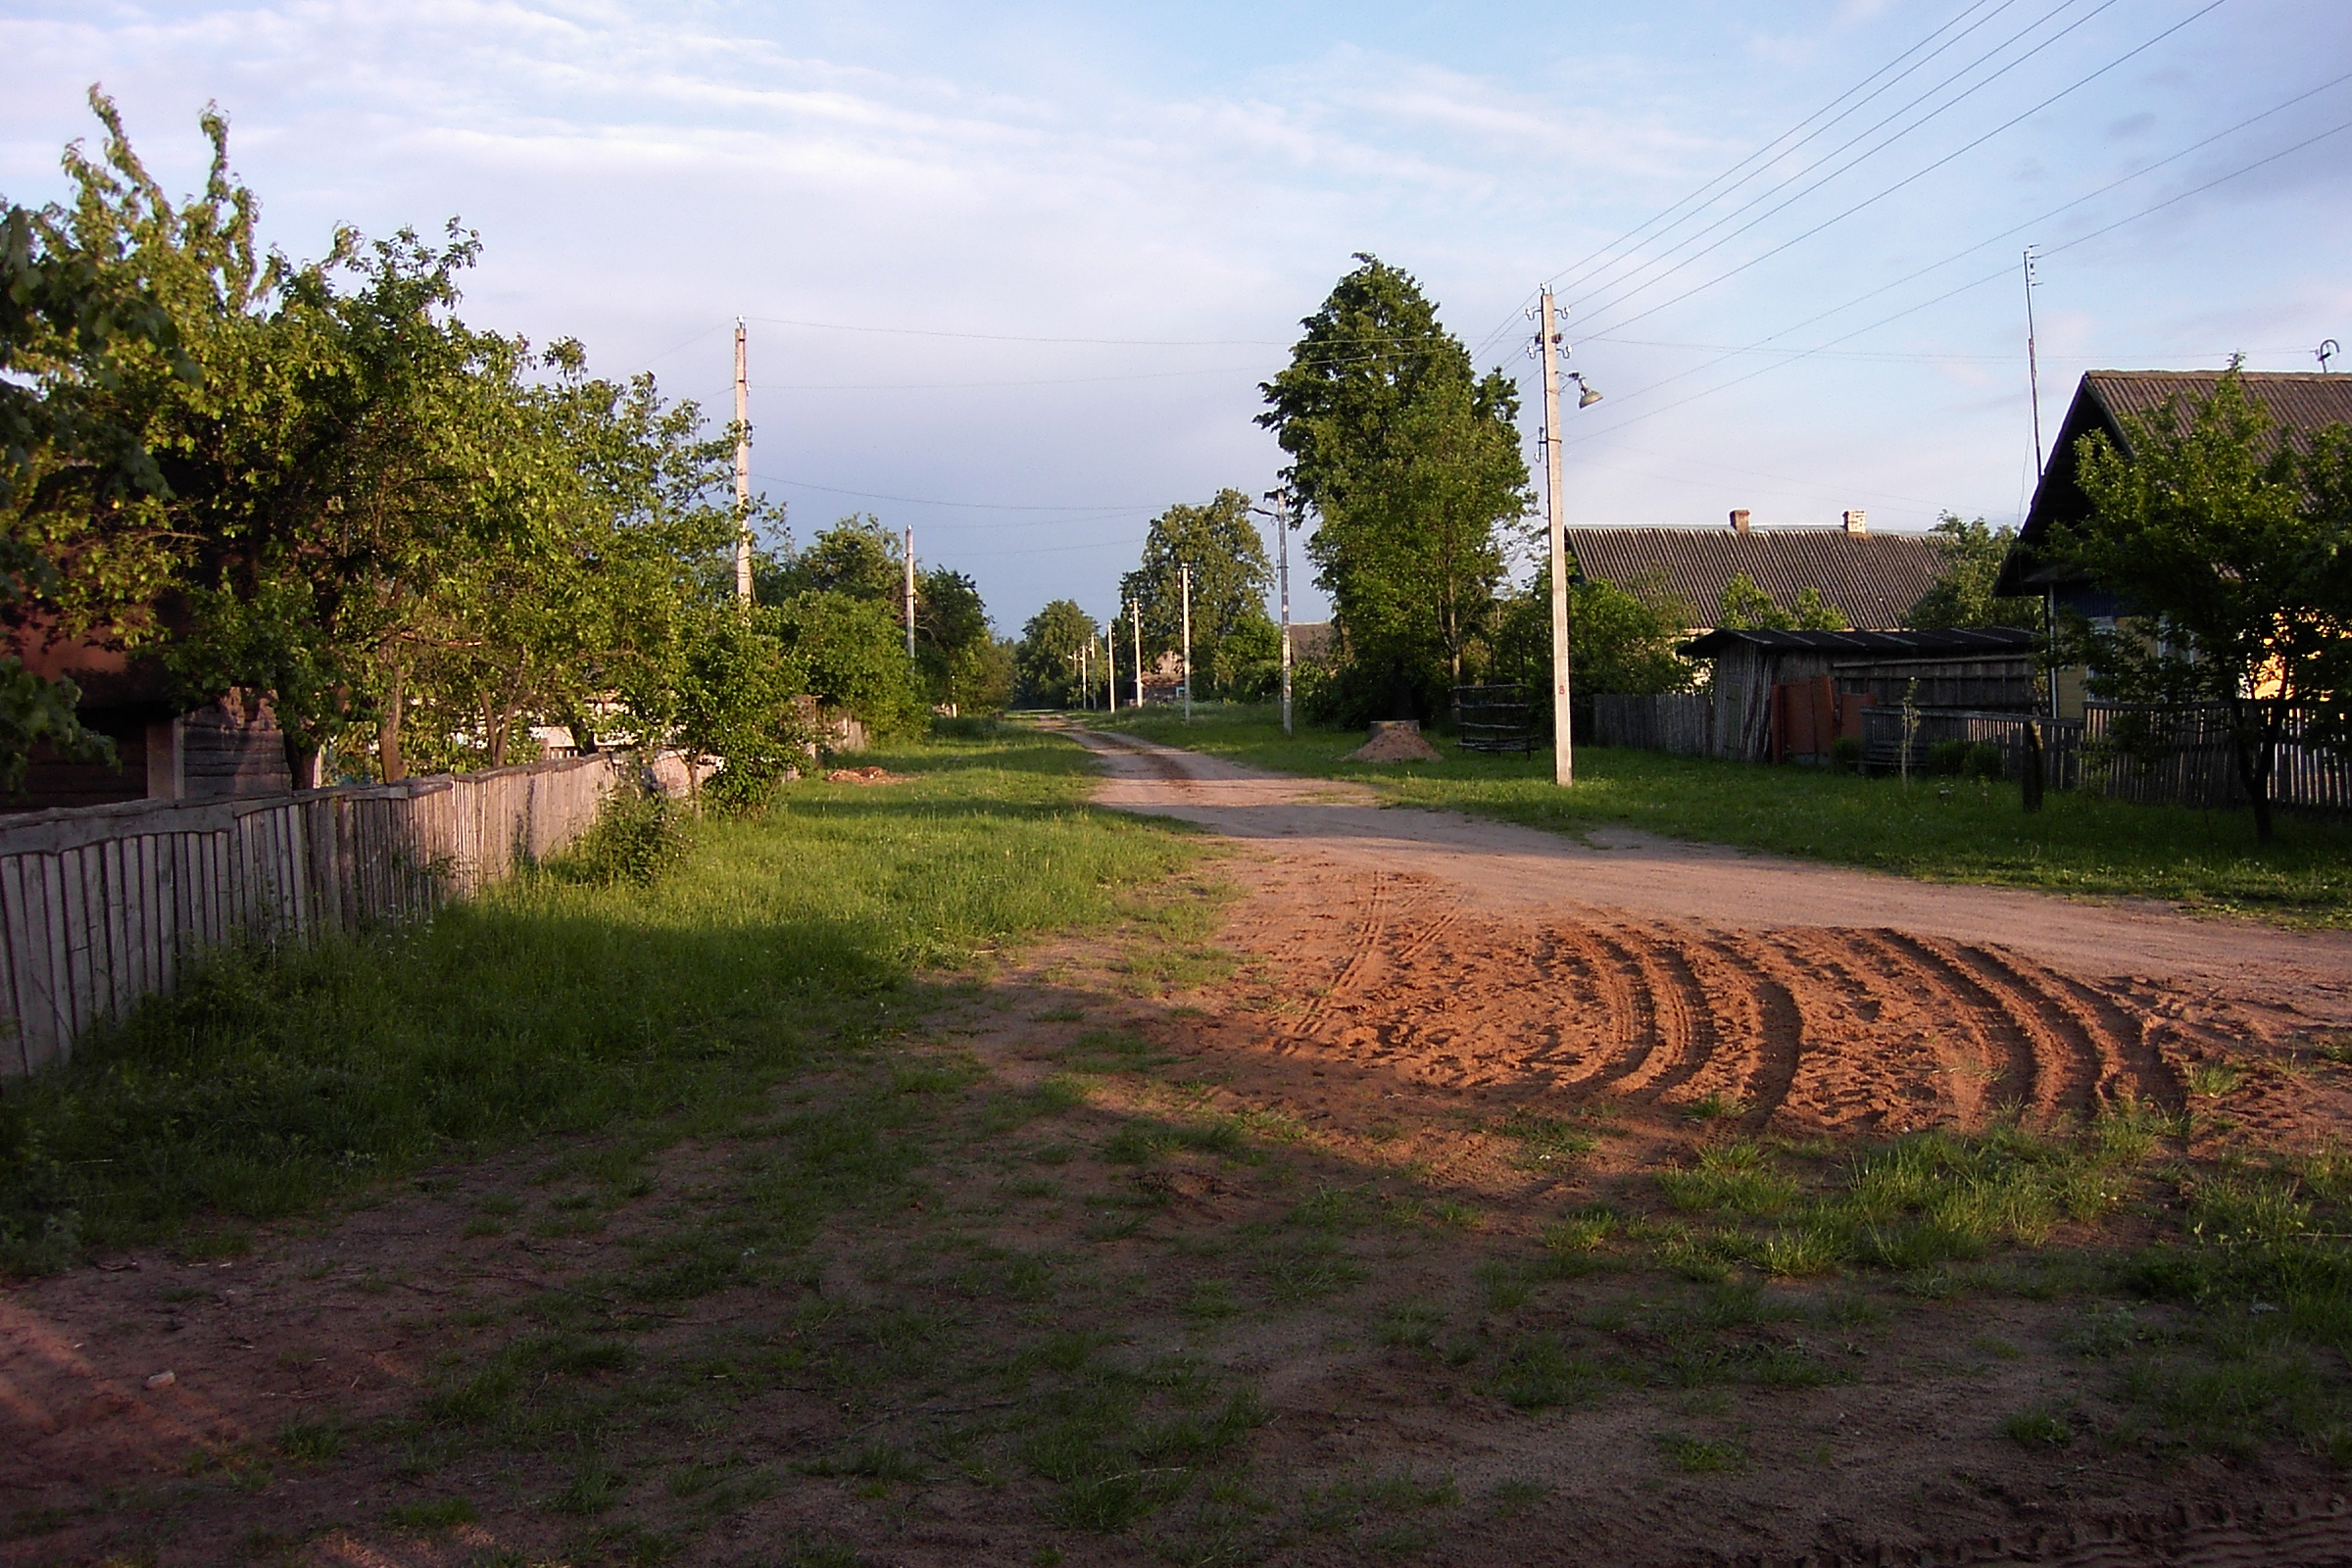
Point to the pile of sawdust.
(1395, 743)
(865, 775)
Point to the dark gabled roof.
(1979, 643)
(1873, 577)
(2298, 402)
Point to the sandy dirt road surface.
(1503, 869)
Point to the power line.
(1868, 153)
(1011, 337)
(1889, 190)
(2005, 271)
(1761, 344)
(1768, 148)
(1634, 233)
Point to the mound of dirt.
(865, 775)
(1395, 741)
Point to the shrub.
(1987, 761)
(1846, 755)
(1948, 758)
(638, 837)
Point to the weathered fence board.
(102, 904)
(2191, 761)
(1680, 722)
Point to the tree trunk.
(2255, 754)
(389, 764)
(2031, 780)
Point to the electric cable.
(1908, 180)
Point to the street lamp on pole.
(1563, 757)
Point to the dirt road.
(1506, 868)
(1475, 956)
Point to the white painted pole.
(1185, 575)
(1563, 757)
(743, 464)
(1282, 527)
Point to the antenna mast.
(2032, 364)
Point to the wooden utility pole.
(1282, 529)
(909, 554)
(743, 464)
(1135, 623)
(1563, 759)
(1111, 659)
(1184, 575)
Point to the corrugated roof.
(2299, 401)
(1874, 577)
(1974, 643)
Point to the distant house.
(1779, 695)
(1873, 578)
(2299, 403)
(230, 747)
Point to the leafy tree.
(1411, 462)
(1963, 597)
(2233, 551)
(853, 656)
(1622, 638)
(1229, 578)
(64, 462)
(1046, 661)
(1745, 607)
(733, 699)
(857, 556)
(955, 648)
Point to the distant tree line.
(312, 481)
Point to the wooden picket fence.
(103, 905)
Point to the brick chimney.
(1857, 521)
(1739, 519)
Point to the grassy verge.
(1935, 829)
(556, 1005)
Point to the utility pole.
(2032, 367)
(1185, 575)
(1086, 671)
(743, 464)
(1563, 757)
(1282, 527)
(1111, 659)
(909, 554)
(1135, 623)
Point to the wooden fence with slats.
(1680, 722)
(101, 906)
(2187, 759)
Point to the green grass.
(2078, 843)
(562, 1003)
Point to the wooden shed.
(1783, 694)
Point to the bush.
(638, 837)
(1846, 755)
(1987, 761)
(1948, 758)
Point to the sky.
(1012, 273)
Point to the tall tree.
(1411, 463)
(955, 648)
(2233, 552)
(1962, 596)
(1230, 577)
(66, 461)
(1046, 660)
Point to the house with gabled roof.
(2300, 403)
